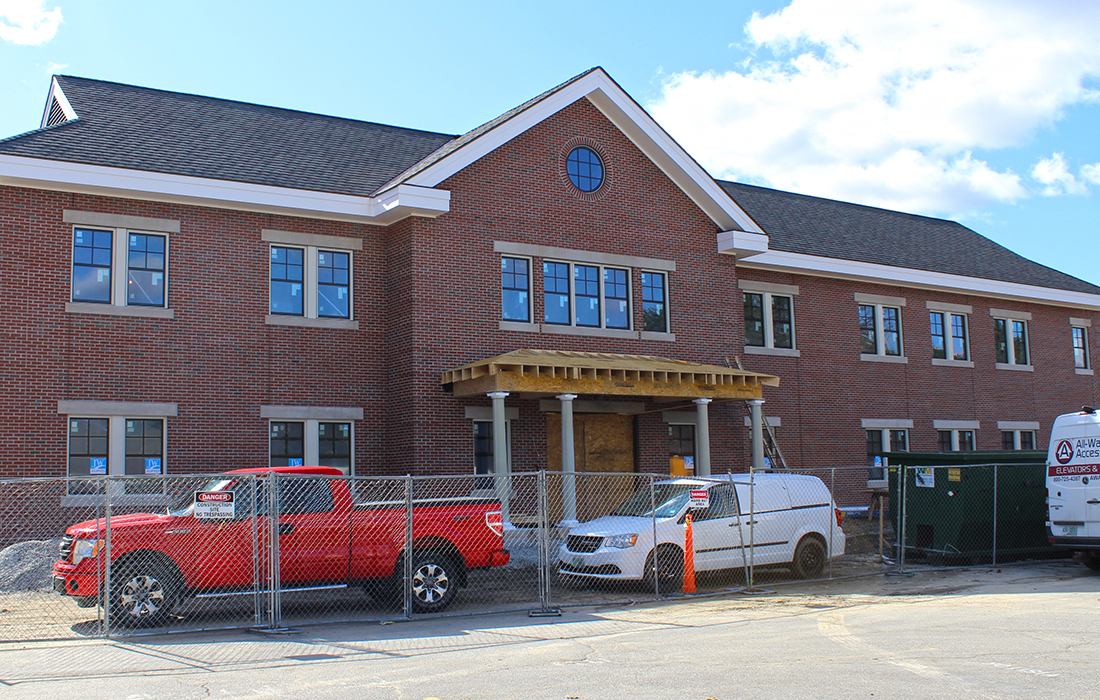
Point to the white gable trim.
(56, 93)
(631, 119)
(395, 204)
(818, 266)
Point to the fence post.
(107, 597)
(903, 490)
(407, 574)
(274, 511)
(257, 584)
(994, 515)
(653, 522)
(832, 520)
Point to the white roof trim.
(396, 204)
(632, 120)
(56, 93)
(921, 279)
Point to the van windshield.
(668, 499)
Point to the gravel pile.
(28, 566)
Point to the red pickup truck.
(327, 537)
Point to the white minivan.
(794, 523)
(1073, 484)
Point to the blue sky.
(983, 111)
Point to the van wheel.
(1091, 559)
(669, 569)
(809, 558)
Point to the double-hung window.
(117, 439)
(119, 264)
(1010, 339)
(1018, 435)
(956, 435)
(586, 296)
(884, 435)
(880, 327)
(654, 302)
(515, 289)
(1079, 330)
(310, 279)
(769, 317)
(311, 436)
(949, 330)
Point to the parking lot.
(1023, 630)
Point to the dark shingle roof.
(124, 126)
(797, 223)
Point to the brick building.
(195, 284)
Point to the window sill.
(1086, 372)
(112, 310)
(592, 332)
(890, 359)
(776, 352)
(1015, 368)
(937, 362)
(657, 335)
(301, 322)
(519, 326)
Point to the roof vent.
(57, 114)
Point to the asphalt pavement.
(1020, 631)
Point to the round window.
(584, 168)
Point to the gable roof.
(797, 223)
(136, 128)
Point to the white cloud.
(1056, 178)
(1091, 173)
(28, 21)
(883, 101)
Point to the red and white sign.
(699, 498)
(214, 504)
(1064, 452)
(1074, 470)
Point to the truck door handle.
(1092, 501)
(286, 528)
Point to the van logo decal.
(1064, 452)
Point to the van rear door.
(1073, 478)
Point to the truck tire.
(142, 595)
(669, 570)
(434, 582)
(1091, 559)
(809, 558)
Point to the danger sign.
(214, 504)
(699, 498)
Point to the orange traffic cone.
(689, 557)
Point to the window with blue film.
(555, 296)
(616, 294)
(333, 284)
(92, 265)
(586, 284)
(585, 169)
(515, 283)
(287, 275)
(146, 270)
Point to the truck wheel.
(669, 569)
(434, 582)
(809, 558)
(1091, 559)
(141, 596)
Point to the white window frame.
(117, 413)
(311, 417)
(120, 227)
(880, 302)
(768, 291)
(1084, 325)
(955, 427)
(1017, 427)
(311, 244)
(1010, 317)
(946, 311)
(885, 426)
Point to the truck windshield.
(668, 499)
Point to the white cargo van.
(795, 523)
(1073, 484)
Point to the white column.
(501, 478)
(757, 433)
(702, 438)
(568, 462)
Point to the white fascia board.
(632, 120)
(818, 266)
(56, 93)
(742, 244)
(37, 173)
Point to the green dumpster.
(950, 500)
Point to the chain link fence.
(107, 556)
